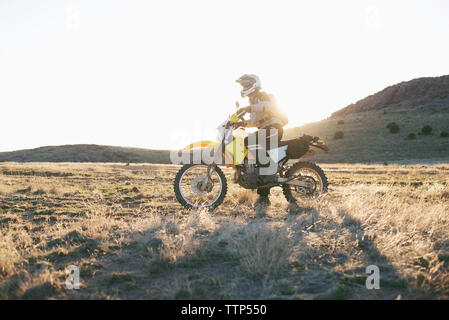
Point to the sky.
(161, 74)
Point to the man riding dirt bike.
(260, 160)
(265, 115)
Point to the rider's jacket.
(263, 111)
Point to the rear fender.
(320, 146)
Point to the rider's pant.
(272, 133)
(275, 134)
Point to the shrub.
(394, 128)
(411, 136)
(391, 124)
(262, 250)
(444, 134)
(339, 135)
(426, 129)
(340, 122)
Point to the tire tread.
(183, 202)
(303, 164)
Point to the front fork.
(210, 171)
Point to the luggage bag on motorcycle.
(296, 148)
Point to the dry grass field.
(121, 225)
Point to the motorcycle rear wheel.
(307, 171)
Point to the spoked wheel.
(194, 189)
(314, 178)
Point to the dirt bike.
(201, 183)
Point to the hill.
(430, 92)
(411, 105)
(366, 138)
(87, 153)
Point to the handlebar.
(241, 114)
(236, 124)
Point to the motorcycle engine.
(247, 177)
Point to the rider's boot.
(261, 206)
(263, 199)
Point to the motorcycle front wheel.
(194, 190)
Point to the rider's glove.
(243, 123)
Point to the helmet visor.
(246, 84)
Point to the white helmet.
(250, 83)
